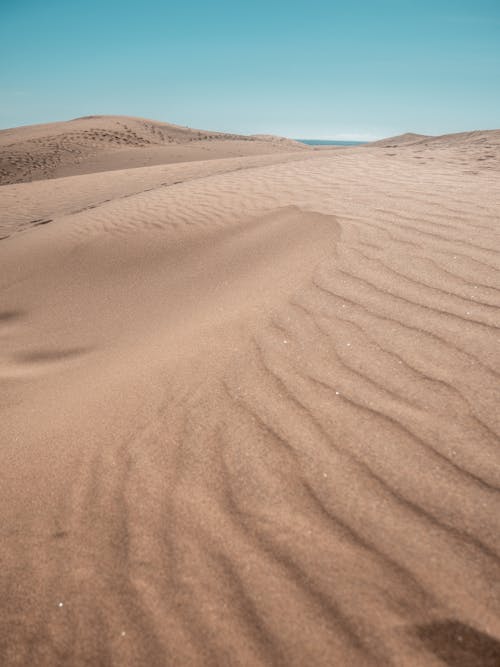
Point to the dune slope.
(100, 143)
(251, 417)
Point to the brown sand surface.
(100, 143)
(249, 411)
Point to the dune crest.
(100, 143)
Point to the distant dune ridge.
(99, 143)
(249, 399)
(490, 138)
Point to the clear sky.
(302, 68)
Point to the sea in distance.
(329, 142)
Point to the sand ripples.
(287, 447)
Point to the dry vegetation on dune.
(250, 411)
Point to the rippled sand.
(249, 411)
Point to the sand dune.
(400, 140)
(485, 141)
(250, 411)
(100, 143)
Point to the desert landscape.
(249, 398)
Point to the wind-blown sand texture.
(249, 411)
(100, 143)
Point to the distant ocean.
(329, 142)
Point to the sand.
(102, 143)
(249, 409)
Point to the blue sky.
(311, 69)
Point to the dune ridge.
(100, 143)
(251, 417)
(487, 139)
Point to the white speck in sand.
(337, 393)
(60, 604)
(348, 344)
(285, 341)
(123, 633)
